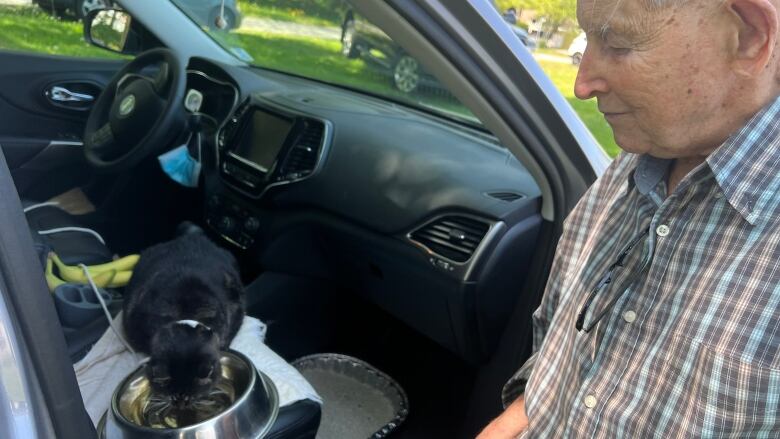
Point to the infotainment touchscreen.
(263, 138)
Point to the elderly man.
(661, 317)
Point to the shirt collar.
(649, 172)
(746, 165)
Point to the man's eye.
(619, 51)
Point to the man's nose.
(590, 80)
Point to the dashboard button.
(251, 224)
(226, 224)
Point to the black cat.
(183, 305)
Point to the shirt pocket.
(734, 398)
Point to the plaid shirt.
(690, 347)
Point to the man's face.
(661, 77)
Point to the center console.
(261, 147)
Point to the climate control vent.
(302, 158)
(454, 237)
(506, 196)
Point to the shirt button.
(629, 316)
(590, 401)
(662, 230)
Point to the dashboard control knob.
(251, 224)
(226, 224)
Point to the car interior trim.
(53, 143)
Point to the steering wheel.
(136, 115)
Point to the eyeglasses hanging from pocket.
(631, 263)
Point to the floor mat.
(74, 201)
(359, 401)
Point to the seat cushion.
(72, 247)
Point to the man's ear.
(757, 34)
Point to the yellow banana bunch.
(109, 275)
(51, 279)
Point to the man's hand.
(509, 425)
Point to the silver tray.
(342, 366)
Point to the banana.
(104, 279)
(120, 279)
(51, 279)
(75, 274)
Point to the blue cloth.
(180, 166)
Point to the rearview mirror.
(114, 30)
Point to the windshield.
(325, 40)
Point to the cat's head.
(184, 363)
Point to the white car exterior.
(577, 48)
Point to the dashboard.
(430, 219)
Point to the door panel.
(44, 104)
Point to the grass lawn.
(322, 59)
(249, 9)
(29, 29)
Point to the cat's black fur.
(188, 278)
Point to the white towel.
(109, 362)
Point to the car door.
(470, 49)
(48, 83)
(39, 396)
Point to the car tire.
(230, 18)
(48, 7)
(406, 74)
(83, 7)
(576, 59)
(348, 46)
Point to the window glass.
(326, 40)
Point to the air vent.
(302, 158)
(506, 196)
(453, 237)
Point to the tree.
(554, 10)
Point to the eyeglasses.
(637, 253)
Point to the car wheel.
(576, 59)
(348, 46)
(48, 7)
(229, 17)
(406, 74)
(84, 7)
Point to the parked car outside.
(361, 38)
(577, 48)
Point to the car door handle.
(61, 94)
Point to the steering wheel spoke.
(162, 80)
(102, 140)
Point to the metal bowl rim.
(117, 415)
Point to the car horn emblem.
(127, 105)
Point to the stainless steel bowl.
(251, 414)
